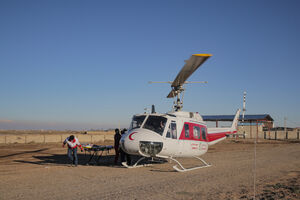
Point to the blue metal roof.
(260, 117)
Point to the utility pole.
(244, 110)
(243, 115)
(285, 129)
(285, 118)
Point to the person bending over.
(73, 143)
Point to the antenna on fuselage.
(152, 109)
(188, 69)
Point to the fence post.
(275, 135)
(265, 135)
(286, 135)
(298, 134)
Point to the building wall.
(251, 132)
(98, 137)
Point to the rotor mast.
(179, 92)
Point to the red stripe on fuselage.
(214, 136)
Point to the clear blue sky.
(86, 64)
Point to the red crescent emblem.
(130, 136)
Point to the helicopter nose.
(129, 142)
(141, 141)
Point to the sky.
(69, 64)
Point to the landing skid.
(181, 169)
(136, 164)
(189, 169)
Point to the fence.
(271, 135)
(281, 135)
(44, 138)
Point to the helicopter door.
(172, 130)
(203, 134)
(171, 138)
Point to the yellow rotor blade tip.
(205, 55)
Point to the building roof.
(247, 118)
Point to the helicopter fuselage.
(174, 134)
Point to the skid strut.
(136, 164)
(189, 169)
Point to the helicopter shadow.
(54, 159)
(24, 152)
(83, 159)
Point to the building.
(251, 123)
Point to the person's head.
(71, 137)
(117, 130)
(123, 131)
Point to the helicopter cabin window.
(203, 130)
(196, 132)
(137, 121)
(156, 124)
(172, 131)
(186, 131)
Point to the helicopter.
(177, 133)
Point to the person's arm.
(79, 145)
(64, 143)
(81, 148)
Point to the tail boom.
(216, 135)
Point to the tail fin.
(236, 120)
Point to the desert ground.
(41, 171)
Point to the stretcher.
(94, 152)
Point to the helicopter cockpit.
(152, 122)
(144, 135)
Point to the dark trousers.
(117, 154)
(123, 155)
(72, 154)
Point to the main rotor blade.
(171, 94)
(160, 82)
(186, 82)
(189, 68)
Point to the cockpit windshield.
(156, 124)
(137, 121)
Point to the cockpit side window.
(137, 121)
(172, 130)
(156, 124)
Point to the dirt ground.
(41, 171)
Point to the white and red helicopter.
(176, 133)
